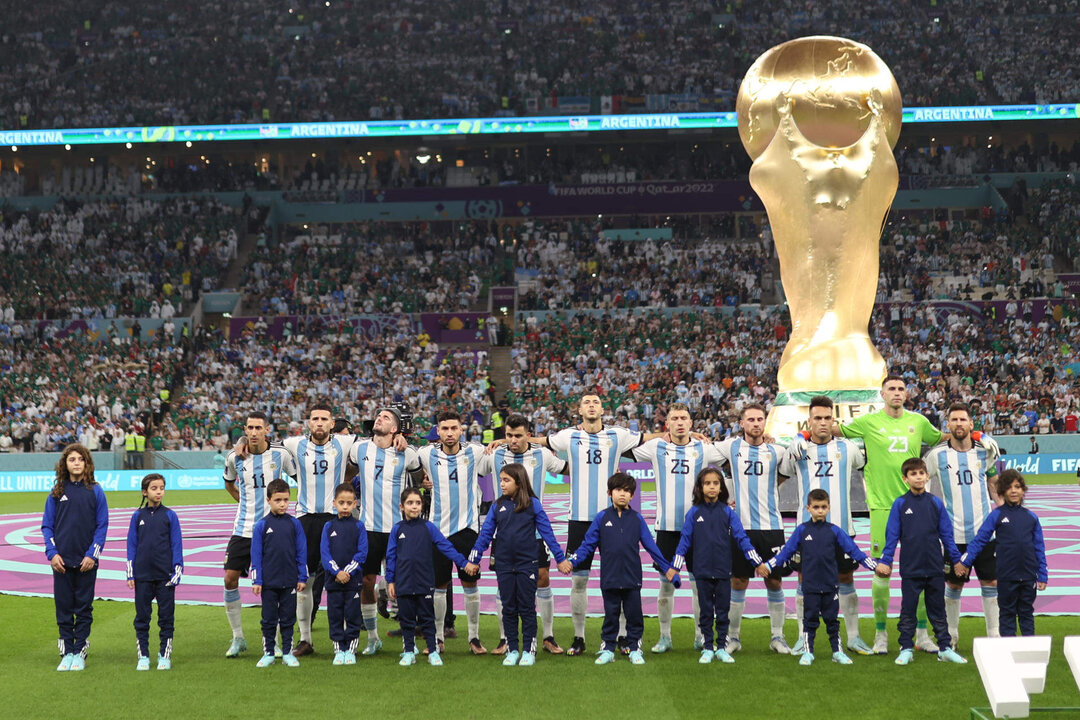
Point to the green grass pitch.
(203, 684)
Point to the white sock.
(799, 609)
(498, 614)
(696, 606)
(579, 603)
(777, 611)
(472, 611)
(233, 611)
(990, 611)
(304, 603)
(952, 613)
(735, 612)
(545, 603)
(440, 613)
(664, 602)
(849, 605)
(371, 615)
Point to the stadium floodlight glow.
(487, 126)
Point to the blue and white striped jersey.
(455, 494)
(251, 475)
(382, 475)
(754, 483)
(538, 461)
(675, 468)
(593, 459)
(960, 477)
(828, 467)
(321, 468)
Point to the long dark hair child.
(708, 531)
(517, 557)
(155, 564)
(1020, 555)
(74, 526)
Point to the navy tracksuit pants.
(818, 606)
(73, 593)
(714, 600)
(934, 589)
(628, 601)
(278, 608)
(417, 611)
(146, 591)
(517, 590)
(345, 616)
(1016, 601)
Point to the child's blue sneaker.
(840, 657)
(435, 659)
(290, 660)
(407, 659)
(511, 658)
(706, 657)
(265, 661)
(164, 663)
(65, 663)
(143, 664)
(604, 657)
(528, 659)
(339, 657)
(807, 658)
(79, 663)
(636, 658)
(724, 656)
(905, 657)
(350, 657)
(950, 655)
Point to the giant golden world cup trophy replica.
(820, 116)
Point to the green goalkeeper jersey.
(889, 442)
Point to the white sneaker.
(779, 645)
(662, 645)
(924, 643)
(732, 646)
(881, 643)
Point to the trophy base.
(791, 410)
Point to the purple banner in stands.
(697, 196)
(466, 327)
(283, 326)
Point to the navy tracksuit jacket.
(817, 544)
(344, 546)
(74, 527)
(155, 561)
(410, 565)
(516, 563)
(620, 537)
(278, 564)
(709, 529)
(1021, 564)
(921, 524)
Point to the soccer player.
(382, 472)
(593, 451)
(538, 462)
(890, 436)
(321, 461)
(826, 462)
(245, 480)
(676, 463)
(453, 472)
(961, 469)
(755, 482)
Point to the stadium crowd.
(109, 258)
(106, 64)
(374, 268)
